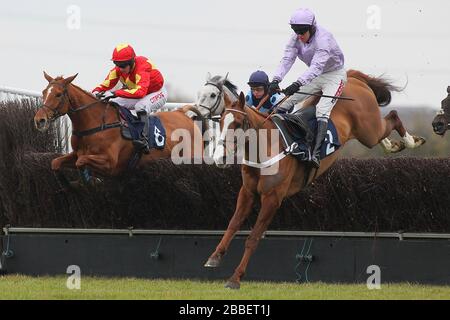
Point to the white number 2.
(330, 146)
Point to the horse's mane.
(81, 89)
(59, 78)
(232, 87)
(228, 84)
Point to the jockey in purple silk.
(318, 49)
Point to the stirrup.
(315, 162)
(141, 146)
(315, 158)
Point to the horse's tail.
(382, 88)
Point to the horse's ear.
(223, 80)
(47, 77)
(69, 79)
(448, 89)
(242, 99)
(208, 76)
(226, 77)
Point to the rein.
(263, 100)
(246, 123)
(265, 164)
(104, 126)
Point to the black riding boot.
(142, 144)
(322, 126)
(306, 114)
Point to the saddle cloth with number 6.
(132, 128)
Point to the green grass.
(24, 287)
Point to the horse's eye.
(58, 95)
(213, 95)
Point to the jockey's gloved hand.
(293, 88)
(99, 94)
(108, 95)
(274, 87)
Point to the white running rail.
(8, 93)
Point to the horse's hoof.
(233, 285)
(397, 146)
(418, 141)
(213, 262)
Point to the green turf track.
(23, 287)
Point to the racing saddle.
(298, 131)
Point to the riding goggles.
(300, 29)
(123, 64)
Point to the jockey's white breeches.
(150, 103)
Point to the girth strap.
(89, 132)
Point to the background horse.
(359, 119)
(217, 94)
(102, 148)
(441, 123)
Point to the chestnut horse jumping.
(358, 119)
(102, 148)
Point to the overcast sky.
(185, 39)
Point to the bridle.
(245, 127)
(216, 104)
(259, 165)
(56, 113)
(245, 123)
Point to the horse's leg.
(67, 160)
(99, 163)
(243, 208)
(393, 122)
(270, 202)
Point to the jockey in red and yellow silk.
(143, 79)
(143, 88)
